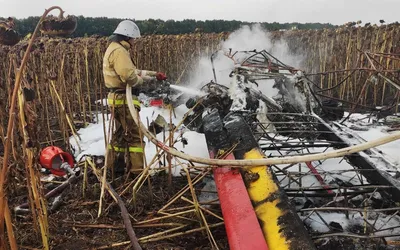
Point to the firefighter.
(125, 149)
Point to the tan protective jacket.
(118, 68)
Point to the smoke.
(244, 39)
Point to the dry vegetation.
(61, 82)
(74, 66)
(63, 77)
(354, 56)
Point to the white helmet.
(128, 28)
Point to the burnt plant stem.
(124, 212)
(10, 126)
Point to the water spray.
(186, 90)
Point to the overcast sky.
(324, 11)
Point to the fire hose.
(258, 162)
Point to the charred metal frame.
(375, 176)
(311, 131)
(290, 132)
(302, 135)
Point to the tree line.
(104, 26)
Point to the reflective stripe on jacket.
(119, 99)
(115, 103)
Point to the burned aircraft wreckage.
(237, 117)
(295, 112)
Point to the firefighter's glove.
(161, 76)
(138, 82)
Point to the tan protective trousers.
(126, 140)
